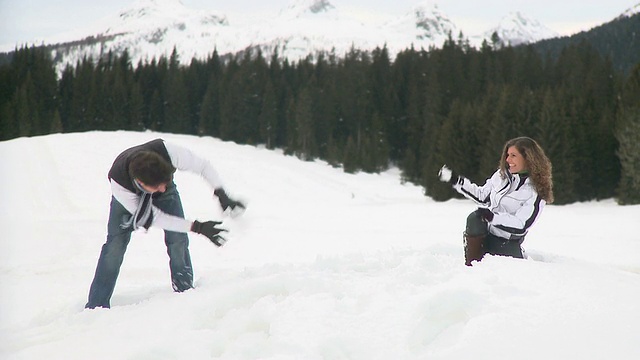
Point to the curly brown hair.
(537, 163)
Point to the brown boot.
(473, 248)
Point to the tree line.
(362, 110)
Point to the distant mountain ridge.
(153, 28)
(618, 40)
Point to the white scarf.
(142, 216)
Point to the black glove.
(209, 229)
(485, 214)
(226, 202)
(447, 175)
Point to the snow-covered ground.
(323, 265)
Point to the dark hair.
(538, 165)
(151, 169)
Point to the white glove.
(445, 174)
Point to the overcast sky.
(29, 20)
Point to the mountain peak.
(426, 24)
(432, 21)
(298, 8)
(144, 8)
(146, 16)
(515, 29)
(426, 5)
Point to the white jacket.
(181, 159)
(514, 202)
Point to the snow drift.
(323, 265)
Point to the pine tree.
(33, 72)
(119, 101)
(629, 155)
(600, 101)
(350, 158)
(22, 111)
(558, 138)
(277, 71)
(627, 134)
(159, 73)
(385, 104)
(434, 119)
(411, 163)
(156, 112)
(7, 124)
(137, 109)
(81, 112)
(267, 120)
(209, 112)
(100, 97)
(324, 83)
(65, 93)
(403, 75)
(209, 123)
(249, 80)
(56, 124)
(500, 126)
(7, 90)
(176, 104)
(374, 153)
(230, 101)
(354, 102)
(304, 135)
(456, 140)
(197, 77)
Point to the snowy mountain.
(516, 29)
(164, 15)
(425, 22)
(150, 29)
(310, 26)
(153, 28)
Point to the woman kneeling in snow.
(510, 201)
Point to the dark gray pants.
(493, 244)
(113, 250)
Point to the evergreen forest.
(362, 110)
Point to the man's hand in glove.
(209, 229)
(236, 207)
